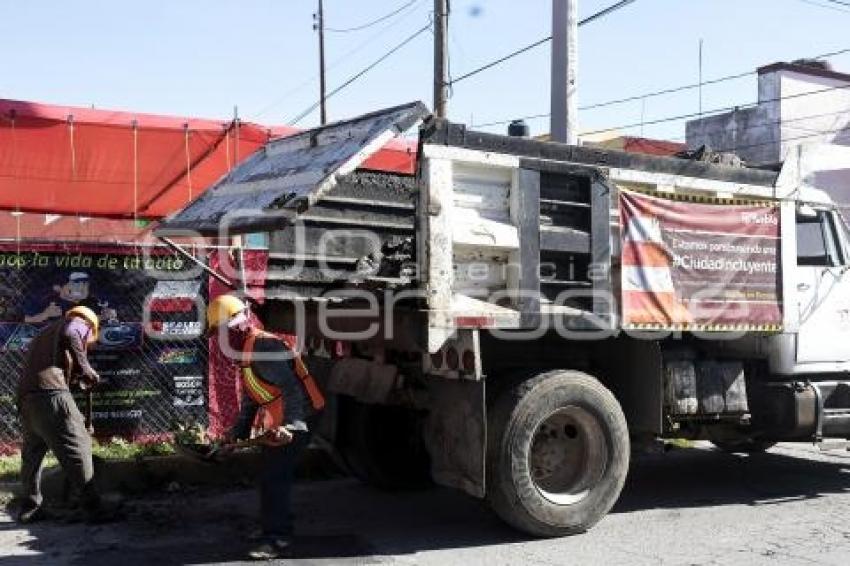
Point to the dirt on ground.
(688, 506)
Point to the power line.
(360, 73)
(721, 110)
(825, 6)
(781, 140)
(375, 21)
(332, 65)
(501, 60)
(539, 42)
(656, 93)
(666, 91)
(840, 3)
(605, 11)
(633, 98)
(767, 123)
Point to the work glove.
(279, 437)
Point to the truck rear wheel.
(558, 453)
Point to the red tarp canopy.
(100, 163)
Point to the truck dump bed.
(491, 229)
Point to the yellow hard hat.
(86, 314)
(222, 309)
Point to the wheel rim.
(568, 456)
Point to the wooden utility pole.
(319, 24)
(564, 102)
(441, 55)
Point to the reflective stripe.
(260, 391)
(317, 400)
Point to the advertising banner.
(151, 354)
(696, 264)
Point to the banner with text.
(699, 264)
(151, 354)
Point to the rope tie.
(227, 146)
(236, 141)
(17, 214)
(12, 117)
(188, 161)
(73, 147)
(135, 172)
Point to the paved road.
(695, 506)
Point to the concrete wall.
(784, 118)
(822, 117)
(749, 132)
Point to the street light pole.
(564, 101)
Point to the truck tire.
(558, 453)
(382, 446)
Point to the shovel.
(213, 453)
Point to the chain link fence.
(151, 354)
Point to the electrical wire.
(332, 65)
(671, 90)
(839, 2)
(500, 60)
(529, 47)
(656, 93)
(766, 123)
(781, 140)
(605, 11)
(375, 21)
(720, 110)
(825, 6)
(306, 112)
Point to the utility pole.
(319, 25)
(441, 55)
(564, 101)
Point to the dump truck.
(514, 317)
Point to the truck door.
(823, 287)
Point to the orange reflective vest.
(270, 397)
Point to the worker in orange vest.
(280, 398)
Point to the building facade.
(799, 103)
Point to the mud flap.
(456, 434)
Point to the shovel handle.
(89, 412)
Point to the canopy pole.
(178, 249)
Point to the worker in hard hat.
(280, 398)
(49, 417)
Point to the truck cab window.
(815, 241)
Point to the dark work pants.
(50, 420)
(277, 474)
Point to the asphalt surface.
(689, 506)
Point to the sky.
(202, 58)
